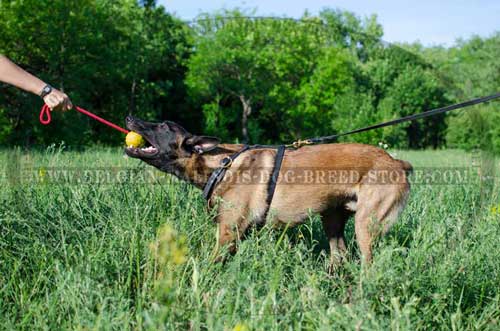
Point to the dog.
(334, 180)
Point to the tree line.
(240, 77)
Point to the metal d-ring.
(228, 164)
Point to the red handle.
(46, 118)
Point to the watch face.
(45, 91)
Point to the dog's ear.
(201, 144)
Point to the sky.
(438, 22)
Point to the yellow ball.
(134, 139)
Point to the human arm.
(12, 74)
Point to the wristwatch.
(46, 91)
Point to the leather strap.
(327, 139)
(218, 175)
(47, 89)
(274, 178)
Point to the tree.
(108, 55)
(245, 79)
(287, 73)
(414, 90)
(473, 68)
(230, 66)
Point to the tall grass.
(80, 256)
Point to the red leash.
(46, 118)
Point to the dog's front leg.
(231, 225)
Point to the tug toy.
(134, 139)
(46, 118)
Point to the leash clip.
(299, 143)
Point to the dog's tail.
(406, 166)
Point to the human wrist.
(45, 90)
(24, 80)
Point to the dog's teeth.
(148, 149)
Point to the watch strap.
(46, 91)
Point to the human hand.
(57, 100)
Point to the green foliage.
(310, 77)
(413, 90)
(252, 80)
(472, 69)
(105, 256)
(110, 56)
(333, 76)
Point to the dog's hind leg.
(377, 209)
(334, 221)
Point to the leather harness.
(218, 175)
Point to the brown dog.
(334, 180)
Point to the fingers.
(66, 102)
(57, 100)
(69, 104)
(51, 101)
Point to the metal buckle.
(226, 164)
(299, 143)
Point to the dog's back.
(336, 181)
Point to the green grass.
(77, 256)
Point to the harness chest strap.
(274, 178)
(218, 175)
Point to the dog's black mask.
(166, 143)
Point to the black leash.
(218, 175)
(327, 139)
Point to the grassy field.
(135, 253)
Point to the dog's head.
(166, 143)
